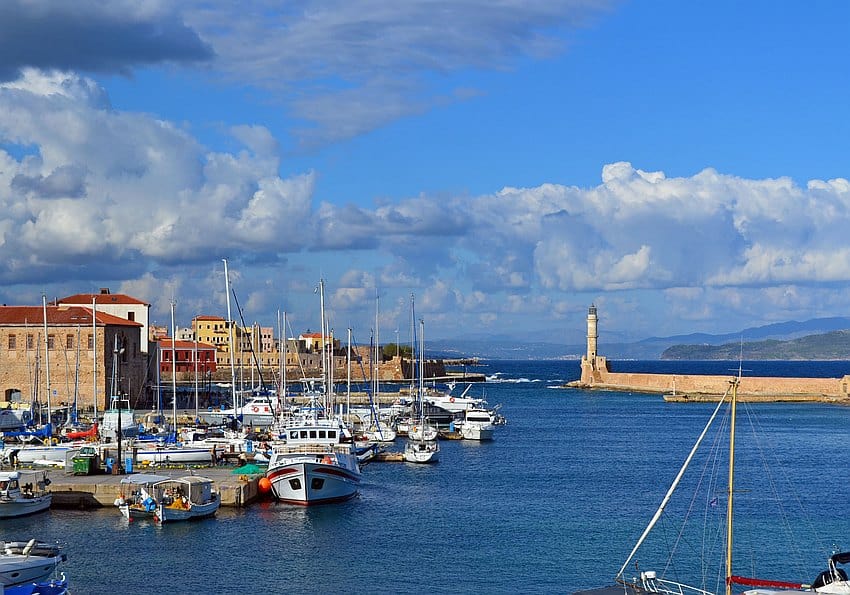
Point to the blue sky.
(682, 165)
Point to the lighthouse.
(592, 334)
(594, 367)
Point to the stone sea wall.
(595, 375)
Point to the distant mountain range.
(811, 339)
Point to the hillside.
(828, 346)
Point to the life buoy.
(255, 409)
(451, 399)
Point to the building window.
(51, 341)
(131, 316)
(90, 343)
(30, 342)
(12, 342)
(69, 341)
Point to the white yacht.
(476, 425)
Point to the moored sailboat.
(833, 580)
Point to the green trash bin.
(82, 465)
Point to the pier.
(596, 374)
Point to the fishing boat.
(27, 562)
(314, 466)
(185, 498)
(23, 493)
(166, 499)
(832, 581)
(136, 499)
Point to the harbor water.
(553, 505)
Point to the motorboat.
(26, 562)
(165, 499)
(476, 424)
(23, 493)
(314, 466)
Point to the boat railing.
(650, 583)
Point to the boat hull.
(19, 569)
(474, 432)
(176, 455)
(421, 452)
(308, 483)
(24, 506)
(170, 514)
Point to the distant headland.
(597, 375)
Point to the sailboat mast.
(47, 362)
(422, 375)
(731, 487)
(94, 353)
(325, 379)
(230, 338)
(173, 372)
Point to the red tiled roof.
(205, 317)
(58, 316)
(102, 298)
(165, 343)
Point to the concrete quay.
(98, 491)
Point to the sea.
(553, 505)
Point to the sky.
(681, 165)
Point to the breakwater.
(597, 375)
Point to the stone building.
(76, 353)
(117, 304)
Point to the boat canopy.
(842, 558)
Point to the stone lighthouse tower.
(593, 366)
(592, 334)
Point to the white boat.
(167, 499)
(25, 562)
(314, 466)
(419, 448)
(136, 499)
(185, 498)
(23, 493)
(36, 454)
(119, 412)
(177, 454)
(476, 424)
(455, 404)
(258, 411)
(833, 581)
(421, 451)
(380, 433)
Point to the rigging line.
(711, 464)
(774, 467)
(253, 353)
(673, 487)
